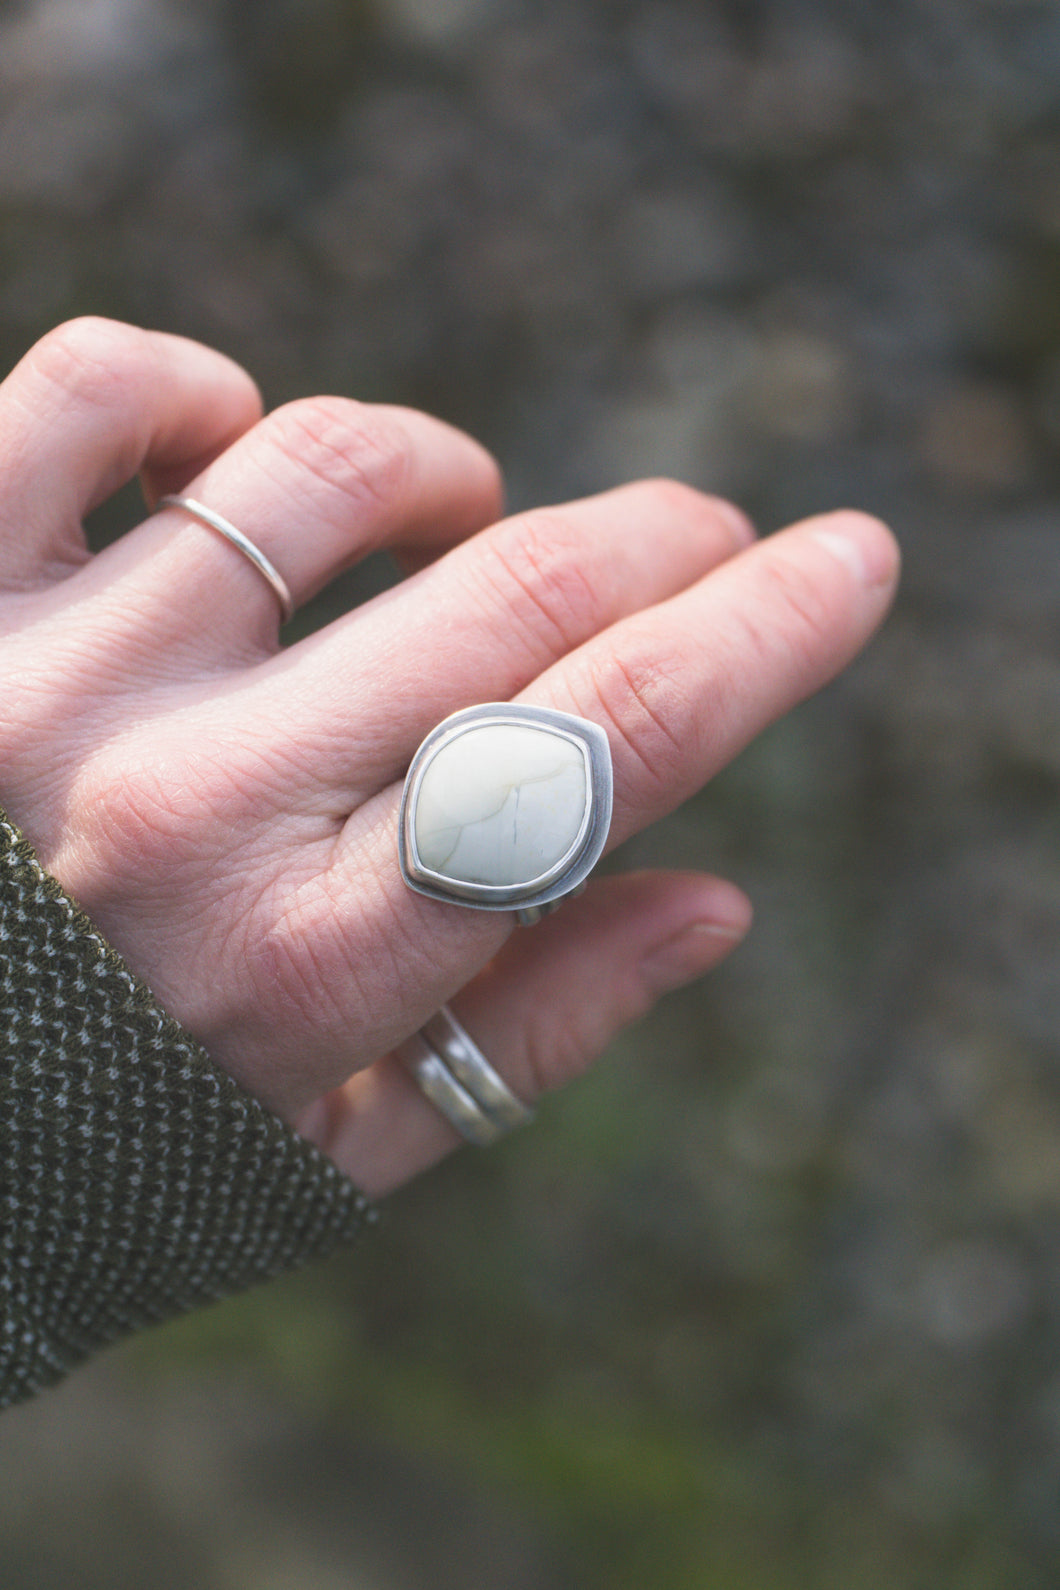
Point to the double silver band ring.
(224, 527)
(456, 1077)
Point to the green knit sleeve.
(137, 1180)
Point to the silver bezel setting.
(572, 869)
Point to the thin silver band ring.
(224, 527)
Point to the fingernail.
(862, 544)
(697, 946)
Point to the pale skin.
(225, 810)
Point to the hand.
(226, 811)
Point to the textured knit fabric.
(136, 1179)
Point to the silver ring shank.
(224, 527)
(466, 1062)
(445, 1093)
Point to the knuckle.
(310, 956)
(537, 564)
(360, 453)
(149, 814)
(642, 701)
(130, 847)
(89, 359)
(299, 964)
(795, 608)
(557, 1045)
(675, 499)
(160, 811)
(554, 1053)
(549, 1058)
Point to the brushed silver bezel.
(565, 875)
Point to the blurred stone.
(671, 241)
(439, 24)
(1020, 1135)
(773, 1126)
(66, 156)
(684, 435)
(804, 90)
(800, 387)
(1047, 393)
(937, 1480)
(975, 438)
(86, 40)
(972, 1290)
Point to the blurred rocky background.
(772, 1300)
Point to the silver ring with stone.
(506, 808)
(253, 554)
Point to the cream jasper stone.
(501, 804)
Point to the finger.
(546, 1007)
(483, 622)
(88, 407)
(682, 687)
(315, 486)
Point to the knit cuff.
(137, 1180)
